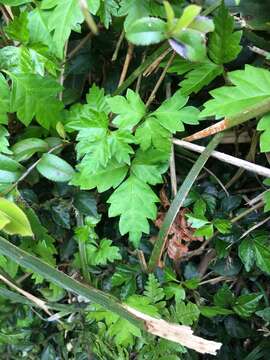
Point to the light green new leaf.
(130, 110)
(224, 42)
(143, 304)
(4, 134)
(23, 60)
(153, 289)
(64, 17)
(103, 253)
(135, 202)
(171, 114)
(103, 178)
(146, 31)
(148, 166)
(4, 99)
(264, 125)
(54, 168)
(17, 220)
(151, 133)
(199, 77)
(251, 86)
(18, 28)
(35, 96)
(188, 313)
(15, 2)
(39, 30)
(10, 170)
(119, 144)
(107, 10)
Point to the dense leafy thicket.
(94, 97)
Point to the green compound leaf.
(251, 86)
(224, 42)
(130, 110)
(35, 96)
(199, 77)
(134, 201)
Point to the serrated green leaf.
(199, 77)
(119, 145)
(153, 289)
(247, 254)
(54, 168)
(143, 304)
(35, 96)
(151, 133)
(4, 99)
(64, 17)
(172, 114)
(103, 178)
(107, 10)
(148, 166)
(39, 30)
(255, 250)
(146, 31)
(129, 110)
(188, 313)
(134, 201)
(222, 225)
(262, 254)
(102, 253)
(264, 125)
(4, 144)
(251, 86)
(245, 305)
(17, 29)
(224, 42)
(17, 220)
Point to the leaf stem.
(178, 202)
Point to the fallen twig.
(258, 169)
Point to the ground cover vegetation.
(134, 179)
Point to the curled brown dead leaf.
(181, 234)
